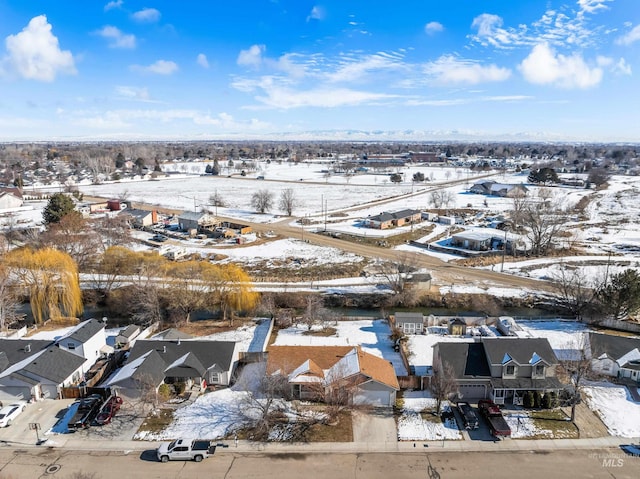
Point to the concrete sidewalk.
(248, 447)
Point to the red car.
(110, 408)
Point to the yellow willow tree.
(231, 288)
(51, 278)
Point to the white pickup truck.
(185, 450)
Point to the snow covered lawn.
(413, 427)
(372, 335)
(614, 406)
(523, 426)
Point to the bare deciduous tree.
(543, 218)
(288, 201)
(441, 198)
(575, 289)
(262, 201)
(576, 367)
(443, 384)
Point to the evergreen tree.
(58, 206)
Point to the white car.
(10, 412)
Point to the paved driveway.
(45, 413)
(376, 426)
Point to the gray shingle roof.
(521, 350)
(13, 351)
(613, 346)
(85, 330)
(468, 360)
(54, 364)
(207, 353)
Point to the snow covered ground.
(413, 427)
(523, 426)
(614, 406)
(372, 335)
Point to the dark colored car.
(87, 410)
(108, 411)
(469, 417)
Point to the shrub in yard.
(527, 400)
(546, 401)
(179, 387)
(164, 392)
(553, 399)
(537, 399)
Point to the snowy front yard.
(615, 408)
(414, 425)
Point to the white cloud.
(35, 53)
(251, 57)
(449, 69)
(433, 27)
(202, 60)
(146, 15)
(113, 4)
(317, 13)
(353, 69)
(621, 67)
(592, 6)
(118, 38)
(630, 37)
(543, 66)
(161, 67)
(141, 94)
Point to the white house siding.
(9, 202)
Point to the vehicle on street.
(159, 238)
(108, 410)
(469, 417)
(185, 450)
(493, 415)
(10, 412)
(88, 409)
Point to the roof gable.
(208, 353)
(84, 331)
(520, 350)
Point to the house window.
(214, 377)
(510, 370)
(498, 393)
(538, 370)
(71, 346)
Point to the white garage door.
(15, 393)
(472, 391)
(373, 398)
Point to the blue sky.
(418, 69)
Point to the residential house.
(615, 356)
(196, 363)
(457, 327)
(493, 188)
(197, 221)
(386, 220)
(127, 335)
(87, 340)
(141, 218)
(317, 372)
(501, 369)
(10, 198)
(409, 323)
(33, 369)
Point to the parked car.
(88, 409)
(110, 409)
(493, 415)
(185, 450)
(159, 238)
(10, 412)
(469, 417)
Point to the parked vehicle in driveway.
(10, 412)
(108, 410)
(88, 409)
(493, 415)
(185, 450)
(469, 417)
